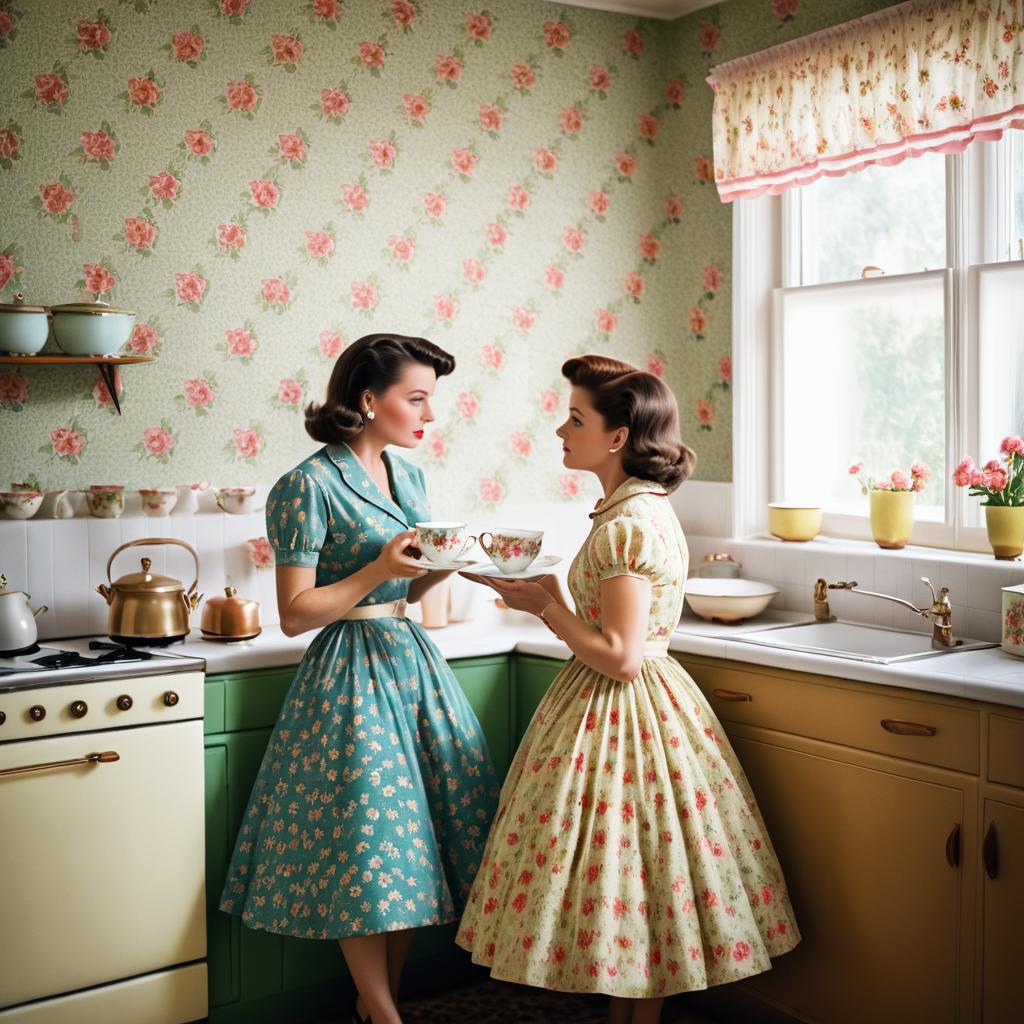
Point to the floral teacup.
(512, 550)
(236, 500)
(188, 497)
(158, 501)
(20, 504)
(443, 543)
(105, 501)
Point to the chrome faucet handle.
(843, 585)
(931, 587)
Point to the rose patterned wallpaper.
(266, 180)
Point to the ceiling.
(666, 10)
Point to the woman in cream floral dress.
(628, 855)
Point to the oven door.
(101, 864)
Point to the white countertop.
(987, 675)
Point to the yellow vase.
(892, 518)
(1005, 524)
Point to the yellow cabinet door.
(867, 857)
(1003, 858)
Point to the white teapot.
(18, 631)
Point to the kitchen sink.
(877, 644)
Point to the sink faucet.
(939, 612)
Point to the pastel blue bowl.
(91, 332)
(23, 333)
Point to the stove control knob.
(3, 717)
(78, 709)
(37, 712)
(171, 698)
(124, 702)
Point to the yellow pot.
(892, 518)
(1005, 524)
(793, 522)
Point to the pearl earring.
(612, 451)
(369, 414)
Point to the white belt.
(656, 649)
(377, 611)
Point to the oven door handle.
(106, 757)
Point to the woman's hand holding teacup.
(396, 560)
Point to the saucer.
(535, 568)
(463, 563)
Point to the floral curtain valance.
(917, 78)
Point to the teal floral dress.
(373, 802)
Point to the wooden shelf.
(105, 364)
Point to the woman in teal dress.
(372, 805)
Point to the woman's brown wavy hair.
(644, 403)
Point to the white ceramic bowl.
(237, 500)
(725, 600)
(20, 504)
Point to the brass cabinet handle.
(902, 728)
(990, 851)
(106, 757)
(953, 847)
(731, 695)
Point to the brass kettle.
(230, 617)
(145, 607)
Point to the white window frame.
(765, 258)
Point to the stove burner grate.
(72, 659)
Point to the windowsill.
(852, 546)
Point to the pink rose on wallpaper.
(401, 248)
(523, 76)
(139, 232)
(329, 9)
(382, 151)
(158, 440)
(435, 204)
(605, 321)
(467, 405)
(556, 34)
(10, 144)
(698, 321)
(190, 287)
(656, 365)
(286, 49)
(55, 197)
(293, 148)
(598, 201)
(650, 126)
(371, 55)
(549, 400)
(6, 24)
(240, 342)
(436, 445)
(92, 35)
(569, 484)
(354, 197)
(415, 106)
(490, 117)
(473, 271)
(518, 198)
(13, 388)
(231, 236)
(545, 161)
(187, 46)
(199, 142)
(633, 43)
(496, 234)
(447, 68)
(143, 92)
(573, 239)
(649, 247)
(319, 244)
(634, 285)
(164, 186)
(492, 357)
(712, 278)
(261, 554)
(491, 491)
(708, 35)
(463, 161)
(785, 9)
(403, 11)
(478, 26)
(599, 78)
(51, 89)
(98, 280)
(275, 291)
(704, 409)
(521, 444)
(522, 319)
(264, 194)
(242, 96)
(675, 91)
(571, 120)
(625, 164)
(144, 340)
(7, 268)
(67, 442)
(444, 307)
(333, 102)
(198, 392)
(331, 344)
(725, 367)
(673, 207)
(289, 391)
(233, 8)
(98, 145)
(364, 294)
(703, 168)
(554, 275)
(247, 442)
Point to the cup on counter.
(512, 550)
(20, 504)
(105, 501)
(443, 543)
(158, 501)
(236, 500)
(188, 498)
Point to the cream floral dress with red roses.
(628, 855)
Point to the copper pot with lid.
(230, 617)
